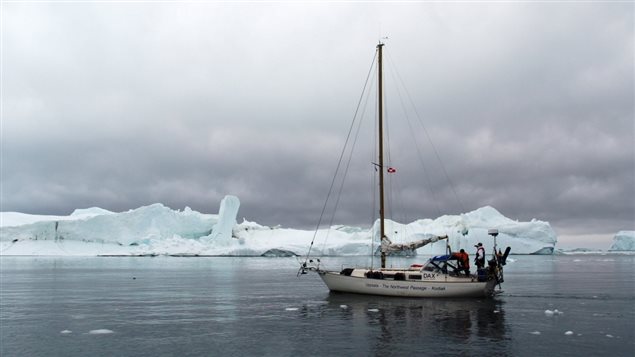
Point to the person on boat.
(499, 256)
(464, 261)
(480, 256)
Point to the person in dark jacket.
(480, 256)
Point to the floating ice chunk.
(66, 331)
(569, 333)
(553, 312)
(496, 311)
(535, 333)
(291, 309)
(373, 310)
(101, 331)
(343, 307)
(609, 335)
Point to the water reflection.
(392, 324)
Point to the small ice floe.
(496, 311)
(553, 312)
(291, 309)
(535, 333)
(609, 335)
(101, 331)
(65, 332)
(373, 310)
(343, 307)
(569, 333)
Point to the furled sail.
(389, 246)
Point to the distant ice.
(89, 212)
(343, 307)
(569, 333)
(373, 310)
(535, 333)
(291, 309)
(623, 241)
(66, 331)
(553, 312)
(159, 230)
(102, 331)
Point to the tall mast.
(380, 109)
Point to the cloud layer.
(529, 107)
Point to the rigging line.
(436, 153)
(340, 159)
(426, 172)
(347, 167)
(350, 157)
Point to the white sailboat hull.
(442, 286)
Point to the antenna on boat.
(493, 232)
(498, 260)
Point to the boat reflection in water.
(420, 326)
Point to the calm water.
(168, 306)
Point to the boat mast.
(380, 109)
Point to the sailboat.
(440, 276)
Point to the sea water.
(581, 305)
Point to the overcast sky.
(530, 107)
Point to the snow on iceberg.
(623, 241)
(159, 230)
(466, 230)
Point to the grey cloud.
(530, 107)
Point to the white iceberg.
(159, 230)
(623, 241)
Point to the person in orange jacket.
(464, 261)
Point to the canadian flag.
(391, 170)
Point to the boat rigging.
(440, 276)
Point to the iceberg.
(466, 230)
(623, 241)
(159, 230)
(222, 231)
